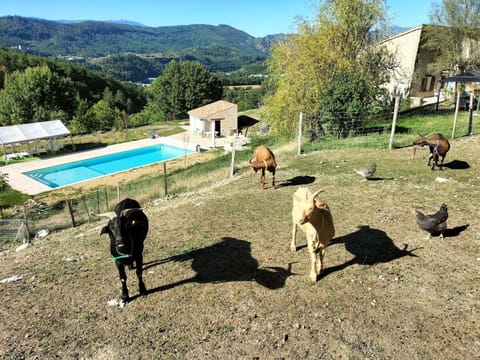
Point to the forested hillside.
(95, 39)
(134, 52)
(84, 84)
(84, 73)
(140, 67)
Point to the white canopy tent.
(24, 133)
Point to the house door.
(218, 129)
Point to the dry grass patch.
(223, 283)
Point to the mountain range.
(134, 52)
(98, 38)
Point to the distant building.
(415, 77)
(218, 118)
(412, 78)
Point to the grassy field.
(223, 283)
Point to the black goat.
(127, 228)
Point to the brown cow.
(263, 159)
(438, 146)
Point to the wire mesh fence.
(84, 207)
(36, 218)
(81, 206)
(342, 125)
(13, 231)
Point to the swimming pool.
(74, 172)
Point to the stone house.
(412, 78)
(219, 118)
(415, 76)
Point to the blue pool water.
(78, 171)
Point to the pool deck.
(27, 185)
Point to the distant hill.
(119, 21)
(130, 51)
(395, 29)
(133, 52)
(96, 38)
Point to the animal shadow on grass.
(455, 231)
(297, 180)
(457, 165)
(377, 178)
(225, 261)
(368, 246)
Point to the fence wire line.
(342, 124)
(13, 230)
(82, 207)
(79, 209)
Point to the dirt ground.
(223, 283)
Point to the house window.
(428, 82)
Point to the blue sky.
(256, 17)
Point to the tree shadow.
(457, 165)
(369, 247)
(297, 180)
(226, 261)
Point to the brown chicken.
(434, 224)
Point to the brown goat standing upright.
(264, 159)
(438, 146)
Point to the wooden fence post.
(165, 178)
(394, 121)
(25, 223)
(106, 199)
(232, 166)
(470, 116)
(457, 105)
(98, 202)
(300, 121)
(70, 210)
(85, 205)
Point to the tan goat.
(313, 216)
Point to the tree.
(108, 97)
(246, 98)
(36, 94)
(455, 34)
(83, 119)
(183, 86)
(341, 38)
(120, 101)
(105, 117)
(344, 102)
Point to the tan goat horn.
(315, 194)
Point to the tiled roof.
(209, 111)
